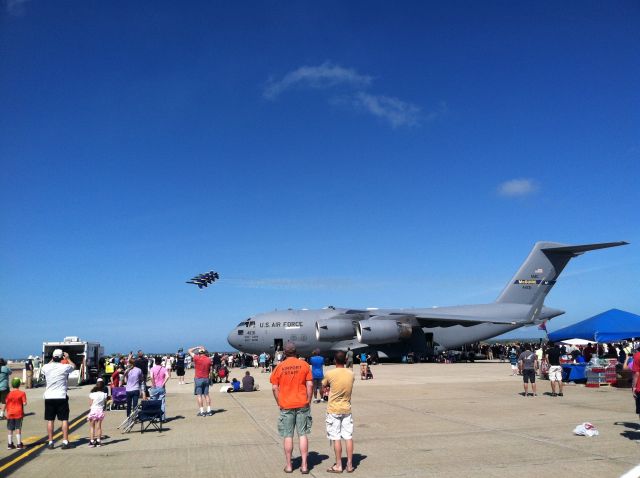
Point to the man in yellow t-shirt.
(291, 384)
(339, 420)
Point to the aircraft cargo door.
(429, 342)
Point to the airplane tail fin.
(539, 272)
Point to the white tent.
(575, 342)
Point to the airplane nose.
(231, 338)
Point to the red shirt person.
(16, 400)
(202, 365)
(635, 385)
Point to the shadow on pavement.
(170, 419)
(313, 460)
(633, 434)
(633, 425)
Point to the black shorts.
(529, 376)
(56, 408)
(180, 371)
(14, 424)
(638, 403)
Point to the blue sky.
(347, 153)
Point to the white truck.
(84, 354)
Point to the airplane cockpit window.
(252, 324)
(242, 323)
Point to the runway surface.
(422, 420)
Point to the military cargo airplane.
(395, 332)
(203, 280)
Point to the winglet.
(581, 249)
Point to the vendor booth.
(610, 326)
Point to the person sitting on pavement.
(248, 383)
(235, 386)
(223, 374)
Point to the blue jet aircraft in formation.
(203, 280)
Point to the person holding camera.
(201, 379)
(56, 400)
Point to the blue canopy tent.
(610, 326)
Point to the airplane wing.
(447, 320)
(426, 317)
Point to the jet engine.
(335, 329)
(382, 330)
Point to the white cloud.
(351, 89)
(517, 187)
(323, 76)
(393, 110)
(16, 7)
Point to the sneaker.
(50, 445)
(98, 444)
(209, 414)
(560, 394)
(201, 414)
(20, 446)
(92, 444)
(11, 446)
(66, 446)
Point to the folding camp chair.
(151, 414)
(128, 423)
(118, 398)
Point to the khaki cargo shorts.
(295, 418)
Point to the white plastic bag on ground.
(586, 429)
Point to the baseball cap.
(57, 353)
(100, 380)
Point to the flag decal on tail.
(534, 282)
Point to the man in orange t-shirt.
(292, 385)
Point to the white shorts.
(555, 373)
(339, 426)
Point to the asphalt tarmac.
(422, 420)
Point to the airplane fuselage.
(268, 331)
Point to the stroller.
(369, 374)
(118, 398)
